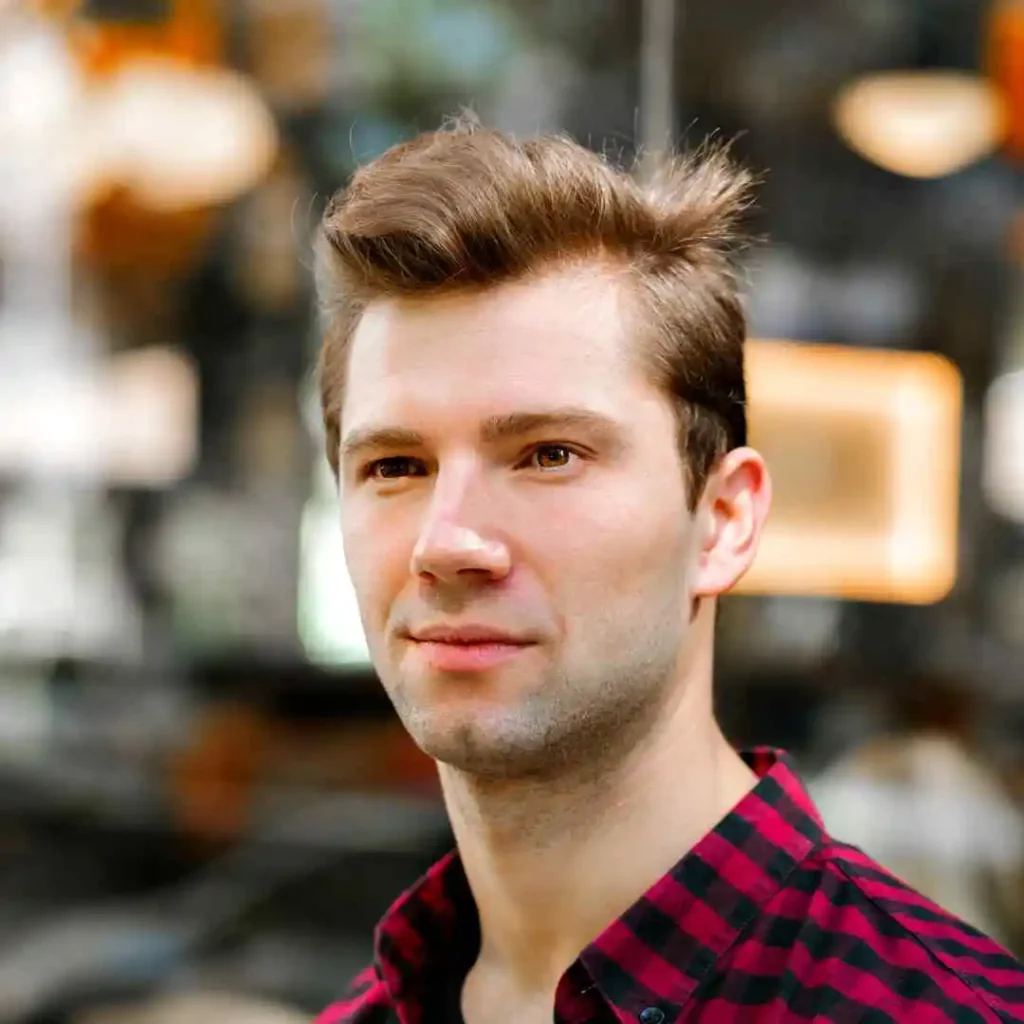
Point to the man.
(534, 401)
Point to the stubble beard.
(569, 730)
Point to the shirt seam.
(908, 932)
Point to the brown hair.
(470, 207)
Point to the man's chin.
(485, 754)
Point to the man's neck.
(551, 866)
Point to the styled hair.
(469, 207)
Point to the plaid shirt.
(766, 919)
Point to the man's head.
(534, 399)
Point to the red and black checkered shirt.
(766, 919)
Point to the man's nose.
(453, 544)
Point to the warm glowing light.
(182, 137)
(864, 449)
(134, 421)
(177, 137)
(921, 124)
(152, 421)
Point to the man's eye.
(552, 456)
(393, 468)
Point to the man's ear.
(730, 517)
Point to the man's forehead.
(562, 315)
(460, 362)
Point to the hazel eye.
(552, 456)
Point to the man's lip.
(466, 636)
(461, 658)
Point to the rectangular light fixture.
(864, 450)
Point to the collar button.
(652, 1015)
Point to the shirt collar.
(687, 919)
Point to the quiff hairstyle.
(468, 208)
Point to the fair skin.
(507, 463)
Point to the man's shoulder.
(366, 1002)
(880, 922)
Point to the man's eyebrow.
(518, 424)
(493, 430)
(371, 438)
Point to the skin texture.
(470, 496)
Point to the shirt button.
(652, 1015)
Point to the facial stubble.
(577, 721)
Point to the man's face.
(509, 475)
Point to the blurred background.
(205, 801)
